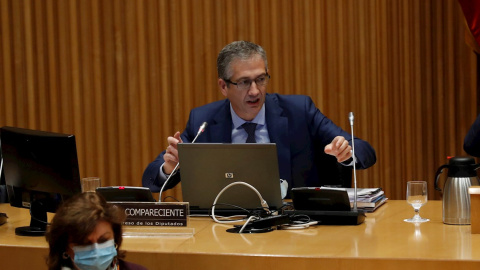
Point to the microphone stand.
(351, 118)
(200, 131)
(351, 217)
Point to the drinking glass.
(90, 184)
(417, 197)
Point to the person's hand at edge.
(339, 148)
(171, 155)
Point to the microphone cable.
(296, 222)
(262, 202)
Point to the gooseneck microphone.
(351, 118)
(200, 131)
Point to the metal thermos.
(456, 200)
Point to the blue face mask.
(95, 256)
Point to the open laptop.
(206, 168)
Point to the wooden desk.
(384, 241)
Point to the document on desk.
(361, 192)
(368, 199)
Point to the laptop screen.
(206, 168)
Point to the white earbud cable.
(262, 202)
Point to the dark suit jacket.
(298, 128)
(471, 144)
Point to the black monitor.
(41, 171)
(3, 189)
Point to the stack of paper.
(368, 199)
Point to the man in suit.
(301, 132)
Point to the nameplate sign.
(154, 213)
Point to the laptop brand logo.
(229, 175)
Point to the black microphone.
(200, 131)
(351, 118)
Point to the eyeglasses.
(245, 84)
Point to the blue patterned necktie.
(250, 129)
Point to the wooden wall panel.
(123, 75)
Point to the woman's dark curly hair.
(75, 220)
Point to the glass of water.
(417, 197)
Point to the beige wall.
(123, 75)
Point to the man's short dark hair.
(237, 50)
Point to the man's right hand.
(171, 154)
